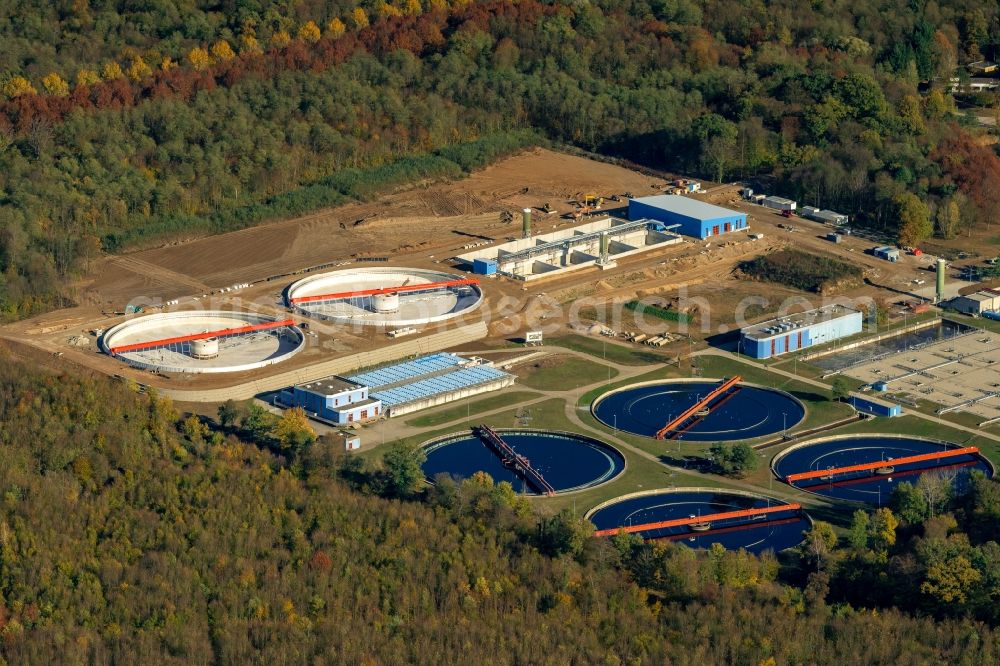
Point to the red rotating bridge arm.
(385, 290)
(818, 473)
(222, 333)
(712, 517)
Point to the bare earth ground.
(423, 227)
(421, 218)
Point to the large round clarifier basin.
(566, 461)
(199, 341)
(751, 411)
(827, 465)
(770, 524)
(384, 296)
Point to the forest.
(132, 534)
(129, 124)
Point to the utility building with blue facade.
(696, 218)
(798, 331)
(333, 399)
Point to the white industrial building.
(779, 203)
(978, 303)
(598, 243)
(825, 216)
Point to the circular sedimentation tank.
(778, 529)
(752, 411)
(885, 452)
(567, 461)
(383, 296)
(174, 342)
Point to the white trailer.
(779, 203)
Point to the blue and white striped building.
(798, 331)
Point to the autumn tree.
(293, 431)
(309, 32)
(112, 71)
(948, 218)
(18, 86)
(199, 58)
(384, 9)
(222, 51)
(280, 39)
(359, 17)
(882, 530)
(55, 85)
(249, 44)
(819, 543)
(335, 28)
(87, 77)
(138, 69)
(914, 219)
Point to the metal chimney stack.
(526, 223)
(941, 265)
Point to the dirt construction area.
(961, 373)
(424, 227)
(437, 221)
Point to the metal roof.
(688, 207)
(782, 325)
(330, 386)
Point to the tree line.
(818, 105)
(130, 532)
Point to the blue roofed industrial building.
(696, 218)
(799, 331)
(396, 389)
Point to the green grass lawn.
(454, 412)
(642, 473)
(610, 351)
(563, 373)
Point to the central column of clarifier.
(386, 303)
(205, 349)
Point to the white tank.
(204, 349)
(386, 302)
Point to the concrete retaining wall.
(337, 366)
